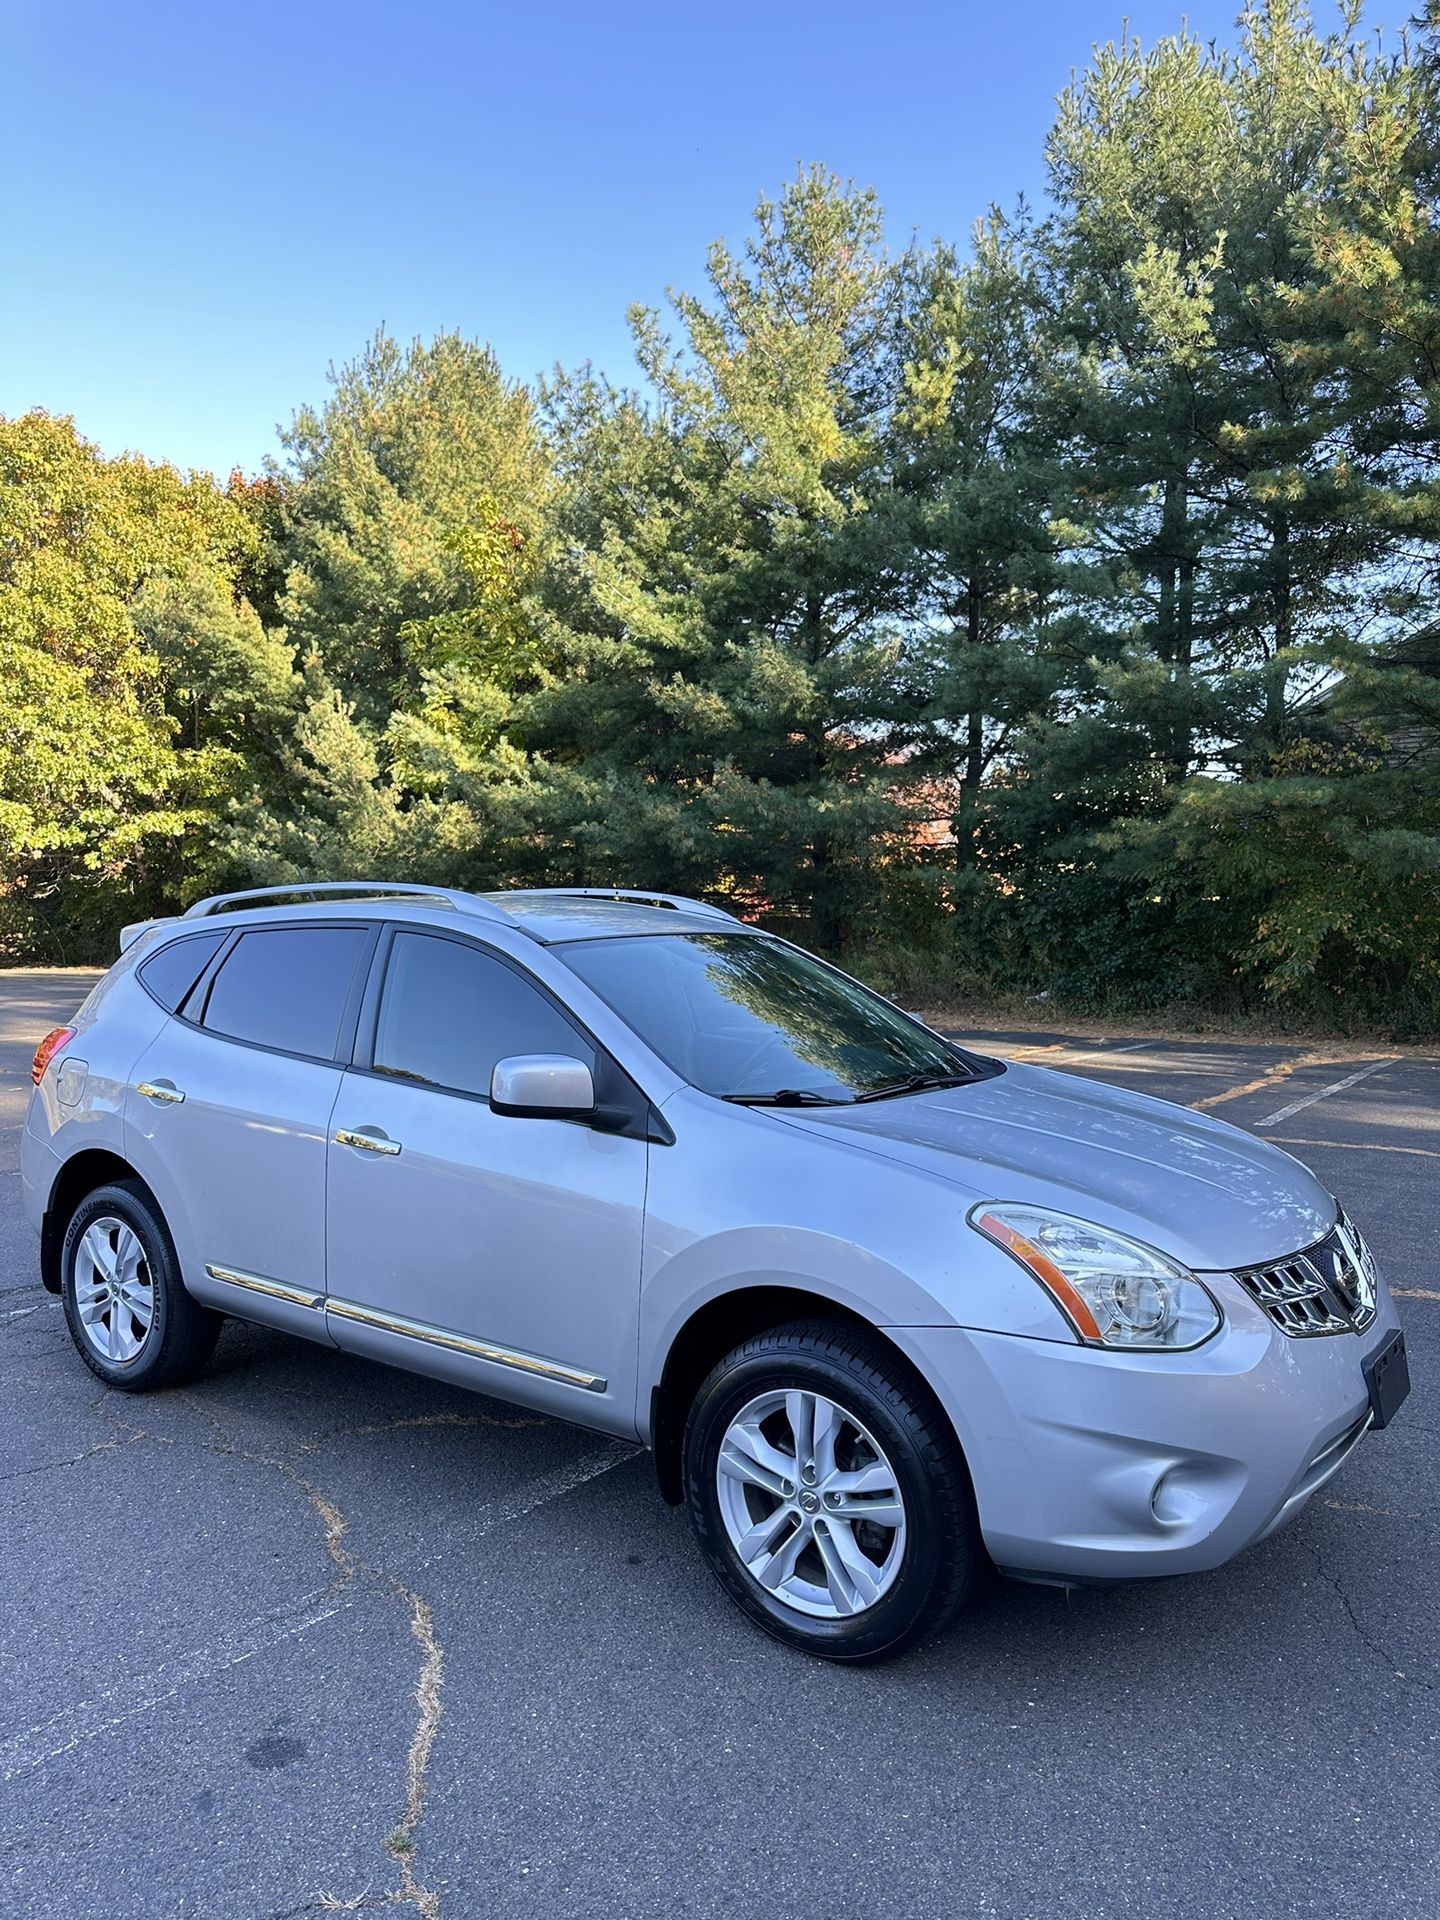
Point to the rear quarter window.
(286, 987)
(169, 974)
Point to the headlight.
(1115, 1292)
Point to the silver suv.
(884, 1310)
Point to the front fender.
(749, 1202)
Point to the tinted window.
(170, 973)
(287, 987)
(747, 1018)
(449, 1012)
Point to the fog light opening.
(1172, 1503)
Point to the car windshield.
(750, 1019)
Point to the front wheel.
(829, 1494)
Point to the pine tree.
(975, 459)
(732, 626)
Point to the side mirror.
(534, 1086)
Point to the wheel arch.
(82, 1173)
(721, 1323)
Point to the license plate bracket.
(1387, 1380)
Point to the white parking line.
(88, 1719)
(1338, 1086)
(539, 1493)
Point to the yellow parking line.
(1415, 1293)
(1355, 1146)
(1282, 1070)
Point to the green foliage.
(116, 611)
(1052, 615)
(412, 451)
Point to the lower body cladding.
(1092, 1464)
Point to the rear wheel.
(128, 1313)
(829, 1494)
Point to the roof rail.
(303, 890)
(638, 896)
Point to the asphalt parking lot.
(318, 1637)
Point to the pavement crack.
(74, 1460)
(400, 1842)
(418, 1420)
(332, 1521)
(332, 1903)
(1362, 1633)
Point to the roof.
(544, 914)
(549, 915)
(1410, 736)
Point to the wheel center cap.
(810, 1501)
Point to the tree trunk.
(1284, 627)
(1177, 609)
(973, 769)
(826, 878)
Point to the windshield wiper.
(916, 1083)
(786, 1097)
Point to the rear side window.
(172, 972)
(449, 1012)
(286, 987)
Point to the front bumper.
(1102, 1465)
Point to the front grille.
(1330, 1288)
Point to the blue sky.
(208, 204)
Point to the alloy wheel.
(114, 1292)
(811, 1504)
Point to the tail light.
(57, 1038)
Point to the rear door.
(228, 1115)
(503, 1253)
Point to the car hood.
(1201, 1191)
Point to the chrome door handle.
(365, 1141)
(160, 1090)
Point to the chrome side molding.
(462, 1343)
(410, 1329)
(272, 1289)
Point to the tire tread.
(911, 1404)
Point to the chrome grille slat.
(1327, 1288)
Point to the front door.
(498, 1252)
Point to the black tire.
(181, 1335)
(942, 1553)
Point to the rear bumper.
(38, 1169)
(1093, 1466)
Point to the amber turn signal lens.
(1045, 1271)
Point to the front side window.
(747, 1018)
(448, 1012)
(286, 987)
